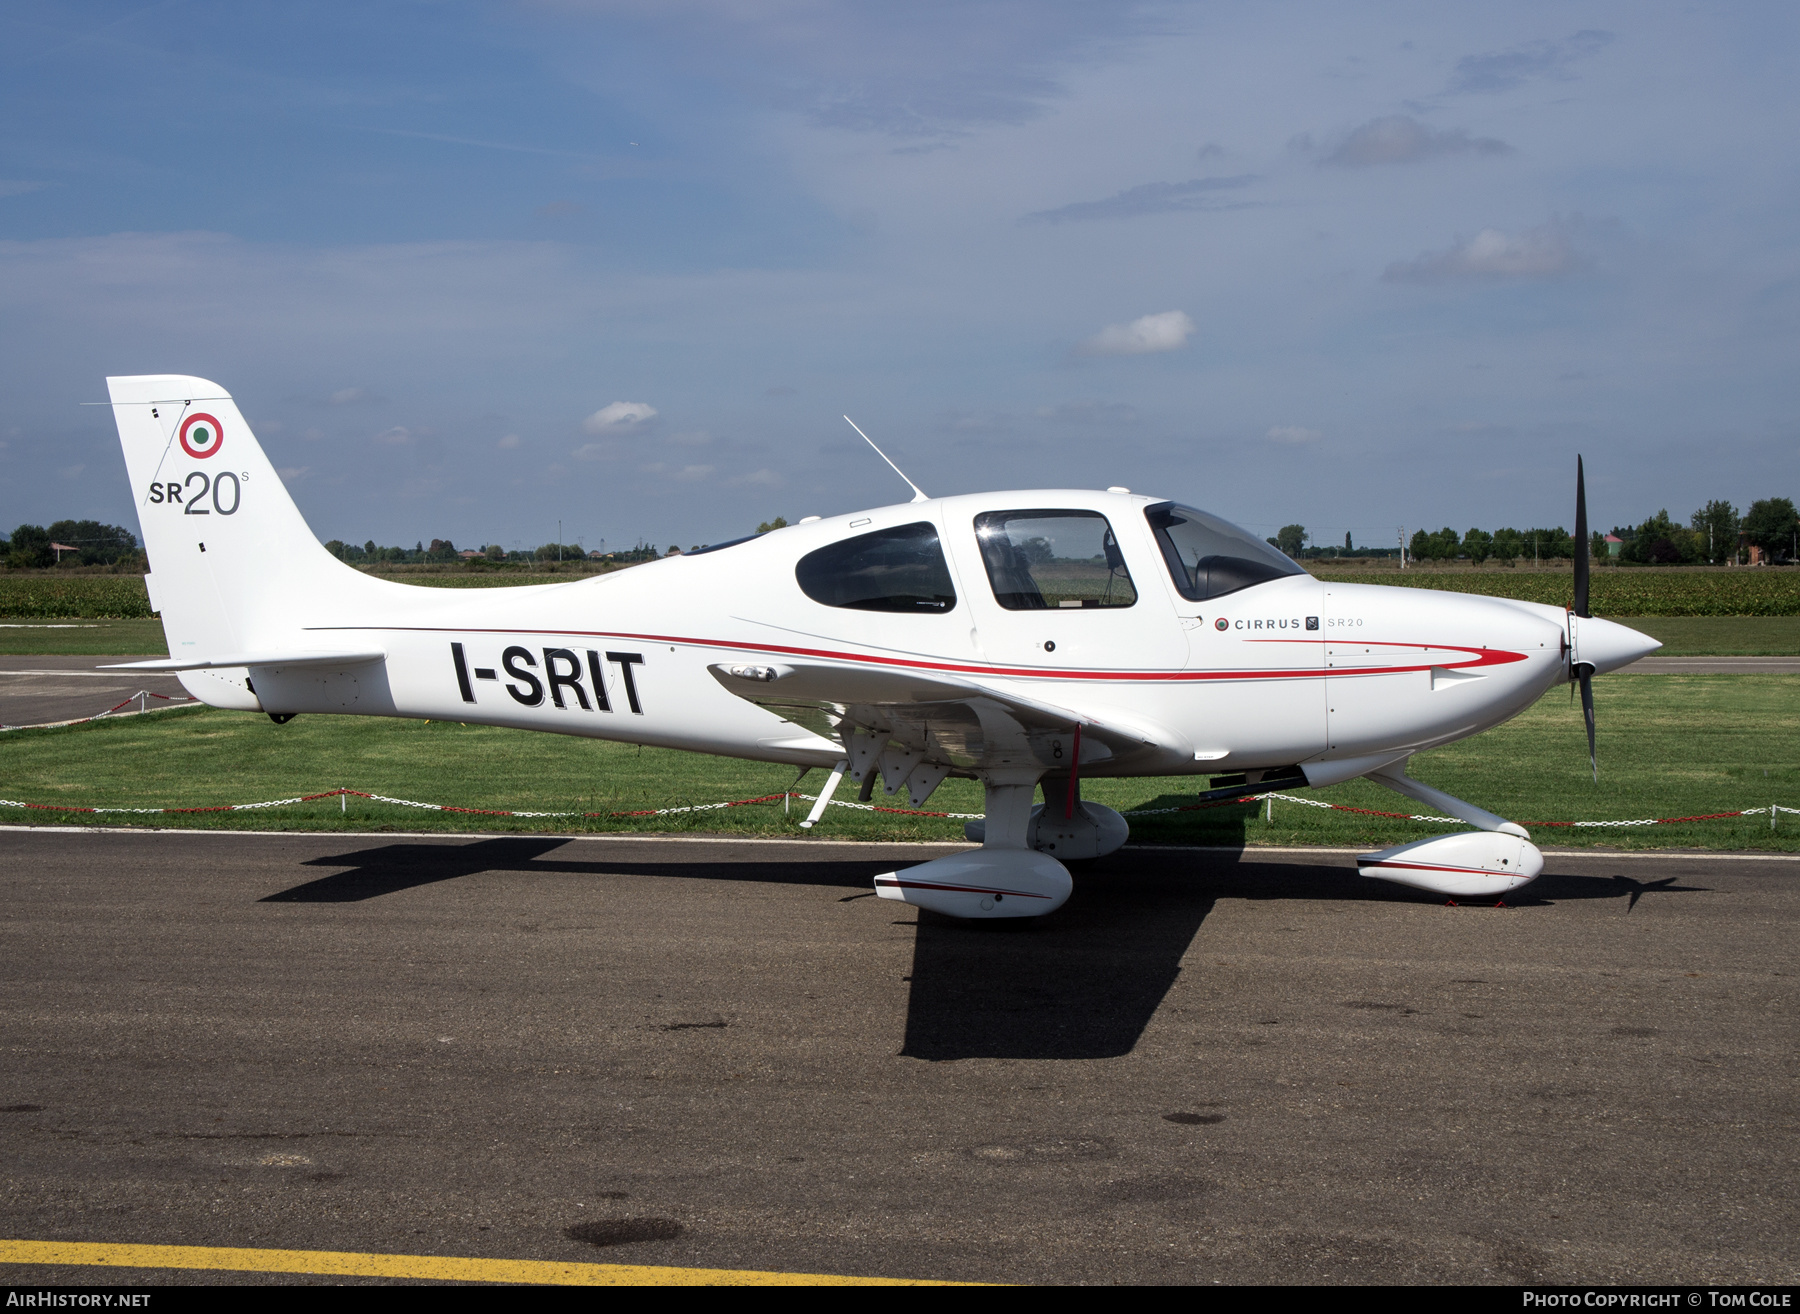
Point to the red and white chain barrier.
(1770, 812)
(142, 698)
(344, 795)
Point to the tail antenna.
(918, 493)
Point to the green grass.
(1693, 636)
(53, 594)
(83, 638)
(1669, 746)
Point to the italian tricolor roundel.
(200, 435)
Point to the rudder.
(234, 566)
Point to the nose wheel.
(1493, 860)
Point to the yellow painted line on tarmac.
(432, 1268)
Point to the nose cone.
(1606, 645)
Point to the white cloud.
(1399, 139)
(1293, 435)
(398, 436)
(345, 396)
(1536, 60)
(758, 479)
(1542, 252)
(507, 443)
(687, 473)
(618, 415)
(1089, 413)
(1151, 198)
(18, 187)
(291, 473)
(1165, 331)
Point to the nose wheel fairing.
(1495, 859)
(1474, 864)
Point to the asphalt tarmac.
(1713, 666)
(1209, 1066)
(44, 690)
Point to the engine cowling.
(1472, 864)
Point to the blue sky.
(471, 269)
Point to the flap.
(950, 718)
(272, 657)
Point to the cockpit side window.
(900, 569)
(1208, 557)
(1041, 560)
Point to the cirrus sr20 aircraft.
(1023, 639)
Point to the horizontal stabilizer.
(287, 657)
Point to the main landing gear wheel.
(1009, 876)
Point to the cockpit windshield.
(1209, 557)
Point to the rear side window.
(901, 569)
(1043, 560)
(1209, 557)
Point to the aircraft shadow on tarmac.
(1082, 983)
(390, 868)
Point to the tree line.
(1716, 534)
(443, 551)
(86, 543)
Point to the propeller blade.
(1587, 714)
(1583, 550)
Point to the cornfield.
(1742, 592)
(1648, 592)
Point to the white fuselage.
(1016, 637)
(1289, 671)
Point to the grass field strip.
(1772, 811)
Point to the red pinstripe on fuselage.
(1479, 657)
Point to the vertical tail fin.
(234, 566)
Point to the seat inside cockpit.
(1209, 557)
(1043, 559)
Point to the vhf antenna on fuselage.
(918, 493)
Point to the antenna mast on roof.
(918, 493)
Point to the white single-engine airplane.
(1018, 638)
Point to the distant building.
(596, 555)
(1613, 544)
(469, 554)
